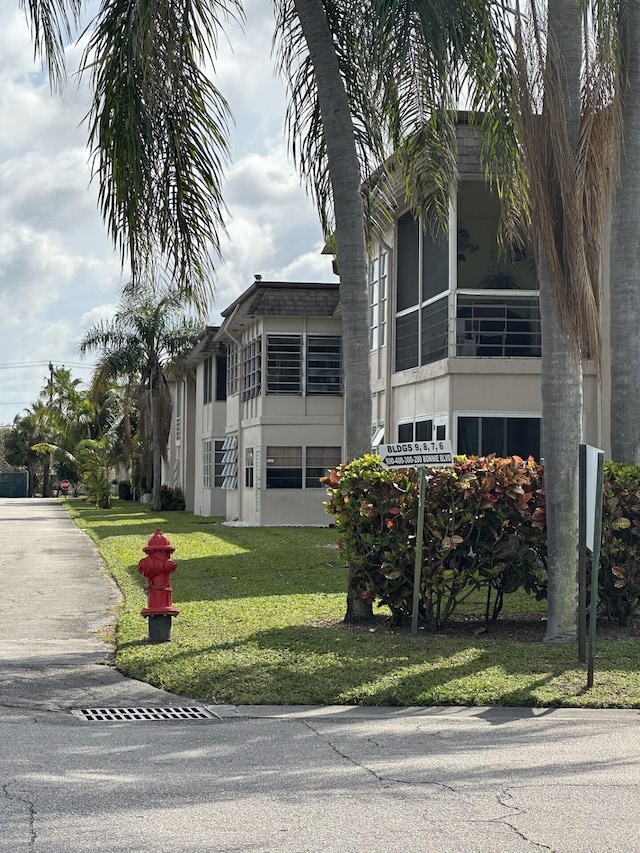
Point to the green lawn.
(259, 624)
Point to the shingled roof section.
(206, 345)
(281, 299)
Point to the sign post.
(421, 455)
(591, 469)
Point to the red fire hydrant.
(157, 567)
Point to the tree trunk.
(561, 374)
(562, 412)
(624, 285)
(344, 169)
(156, 440)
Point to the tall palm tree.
(339, 66)
(624, 272)
(149, 331)
(568, 117)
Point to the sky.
(59, 273)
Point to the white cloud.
(58, 271)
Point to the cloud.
(58, 271)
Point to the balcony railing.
(497, 326)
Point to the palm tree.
(158, 128)
(148, 332)
(624, 273)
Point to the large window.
(284, 364)
(422, 311)
(319, 460)
(378, 301)
(251, 368)
(284, 467)
(504, 436)
(324, 365)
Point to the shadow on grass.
(301, 665)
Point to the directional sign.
(416, 454)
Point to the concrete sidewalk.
(58, 606)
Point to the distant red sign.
(65, 485)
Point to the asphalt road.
(353, 780)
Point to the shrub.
(124, 490)
(484, 529)
(619, 581)
(172, 499)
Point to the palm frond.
(158, 131)
(52, 25)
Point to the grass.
(259, 623)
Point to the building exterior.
(194, 459)
(455, 330)
(455, 354)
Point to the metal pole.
(595, 568)
(582, 553)
(417, 573)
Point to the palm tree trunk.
(561, 375)
(562, 424)
(156, 441)
(624, 286)
(344, 169)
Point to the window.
(405, 432)
(319, 460)
(378, 301)
(218, 464)
(284, 467)
(221, 374)
(208, 381)
(248, 467)
(233, 374)
(324, 365)
(230, 462)
(284, 364)
(479, 436)
(421, 430)
(206, 463)
(424, 430)
(422, 326)
(252, 361)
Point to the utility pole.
(47, 463)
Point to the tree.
(624, 272)
(567, 114)
(148, 332)
(19, 452)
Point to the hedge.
(485, 529)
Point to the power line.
(75, 364)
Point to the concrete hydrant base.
(159, 628)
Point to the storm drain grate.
(120, 715)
